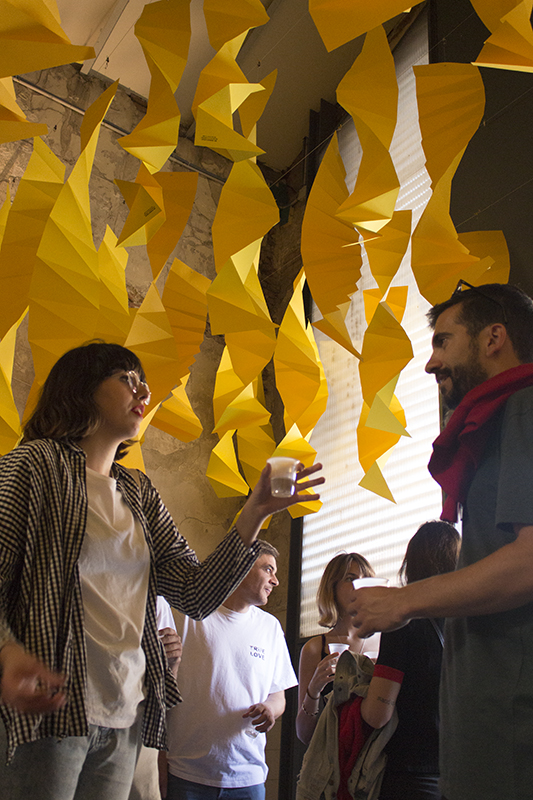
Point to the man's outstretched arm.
(500, 582)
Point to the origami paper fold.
(489, 245)
(176, 416)
(340, 21)
(252, 108)
(10, 429)
(179, 191)
(386, 351)
(243, 411)
(332, 270)
(371, 204)
(235, 298)
(385, 253)
(184, 299)
(31, 38)
(380, 427)
(65, 286)
(450, 96)
(299, 372)
(151, 338)
(223, 471)
(373, 481)
(13, 122)
(228, 385)
(159, 207)
(511, 44)
(246, 212)
(36, 194)
(144, 199)
(250, 352)
(115, 317)
(214, 122)
(164, 32)
(226, 20)
(220, 72)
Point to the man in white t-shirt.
(233, 674)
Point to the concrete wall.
(176, 468)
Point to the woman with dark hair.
(407, 675)
(85, 547)
(317, 665)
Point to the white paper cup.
(363, 583)
(338, 647)
(283, 475)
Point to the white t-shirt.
(114, 570)
(230, 661)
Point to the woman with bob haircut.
(407, 675)
(317, 665)
(85, 547)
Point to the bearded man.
(482, 361)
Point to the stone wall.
(176, 468)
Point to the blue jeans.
(99, 766)
(180, 789)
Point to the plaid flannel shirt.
(43, 514)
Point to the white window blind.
(353, 519)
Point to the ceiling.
(289, 42)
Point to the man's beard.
(464, 377)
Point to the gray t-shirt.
(487, 679)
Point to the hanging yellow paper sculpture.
(237, 306)
(489, 245)
(340, 21)
(65, 286)
(9, 418)
(243, 411)
(164, 33)
(386, 351)
(299, 372)
(31, 38)
(450, 102)
(511, 44)
(115, 317)
(385, 253)
(13, 122)
(159, 207)
(144, 199)
(36, 194)
(371, 204)
(332, 265)
(223, 470)
(246, 212)
(251, 109)
(185, 301)
(214, 122)
(176, 416)
(227, 20)
(220, 72)
(179, 191)
(151, 338)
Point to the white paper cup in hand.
(283, 475)
(363, 583)
(338, 647)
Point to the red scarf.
(458, 450)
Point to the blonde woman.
(317, 665)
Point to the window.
(352, 518)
